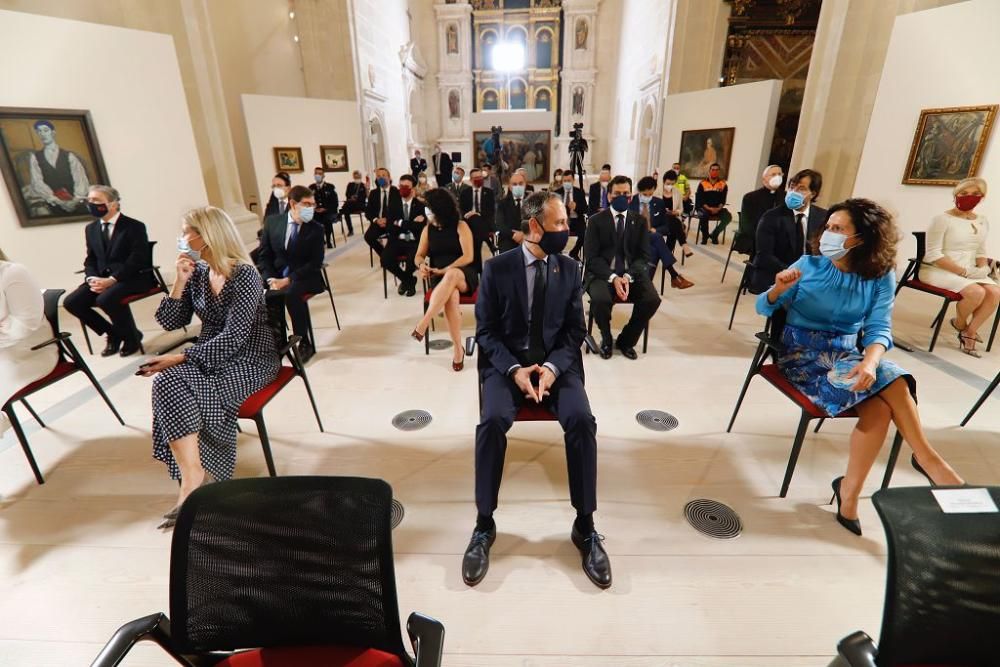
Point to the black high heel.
(853, 525)
(920, 469)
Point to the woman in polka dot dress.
(197, 394)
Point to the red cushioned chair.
(253, 406)
(911, 279)
(284, 572)
(70, 361)
(463, 300)
(159, 286)
(941, 589)
(770, 346)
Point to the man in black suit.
(756, 203)
(442, 166)
(278, 201)
(786, 232)
(529, 318)
(417, 164)
(326, 203)
(118, 263)
(617, 268)
(576, 208)
(383, 211)
(402, 237)
(598, 198)
(291, 261)
(456, 187)
(355, 201)
(478, 205)
(509, 214)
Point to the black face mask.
(97, 210)
(553, 243)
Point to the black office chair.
(284, 571)
(942, 593)
(743, 242)
(748, 268)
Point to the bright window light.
(508, 56)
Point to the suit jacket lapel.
(521, 283)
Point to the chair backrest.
(285, 561)
(942, 597)
(51, 297)
(921, 239)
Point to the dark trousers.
(568, 401)
(724, 217)
(291, 299)
(659, 252)
(577, 228)
(442, 179)
(641, 293)
(673, 231)
(327, 221)
(395, 249)
(372, 236)
(481, 233)
(81, 302)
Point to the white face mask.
(831, 244)
(279, 193)
(775, 181)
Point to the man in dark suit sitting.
(617, 268)
(355, 200)
(576, 208)
(402, 237)
(478, 205)
(786, 232)
(383, 211)
(291, 261)
(529, 318)
(118, 264)
(755, 204)
(326, 203)
(658, 220)
(456, 187)
(509, 214)
(598, 197)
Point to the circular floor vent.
(440, 344)
(712, 518)
(657, 420)
(397, 513)
(412, 420)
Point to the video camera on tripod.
(577, 149)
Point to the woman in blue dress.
(831, 299)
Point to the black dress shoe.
(476, 562)
(306, 352)
(411, 288)
(401, 289)
(605, 348)
(628, 352)
(111, 349)
(132, 345)
(596, 564)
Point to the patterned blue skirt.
(814, 362)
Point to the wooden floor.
(80, 554)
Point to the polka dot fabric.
(235, 356)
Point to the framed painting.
(701, 148)
(948, 144)
(288, 158)
(333, 158)
(530, 149)
(48, 159)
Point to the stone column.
(844, 73)
(222, 180)
(454, 78)
(579, 78)
(698, 45)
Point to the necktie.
(106, 233)
(385, 204)
(517, 207)
(475, 205)
(292, 236)
(604, 197)
(536, 344)
(282, 205)
(644, 210)
(406, 210)
(800, 233)
(620, 245)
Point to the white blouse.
(22, 326)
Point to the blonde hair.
(968, 182)
(219, 233)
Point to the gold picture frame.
(948, 144)
(288, 159)
(334, 158)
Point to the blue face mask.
(456, 177)
(381, 182)
(568, 186)
(620, 203)
(831, 244)
(645, 199)
(794, 200)
(318, 178)
(517, 190)
(185, 248)
(306, 213)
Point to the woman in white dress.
(22, 326)
(956, 260)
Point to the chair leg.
(86, 338)
(728, 257)
(938, 322)
(82, 365)
(739, 290)
(793, 457)
(663, 277)
(33, 413)
(16, 425)
(993, 331)
(265, 443)
(590, 327)
(982, 399)
(312, 399)
(371, 257)
(819, 424)
(385, 282)
(890, 465)
(746, 383)
(427, 334)
(645, 338)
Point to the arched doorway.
(645, 135)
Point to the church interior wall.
(309, 123)
(955, 44)
(750, 108)
(147, 141)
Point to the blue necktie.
(291, 242)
